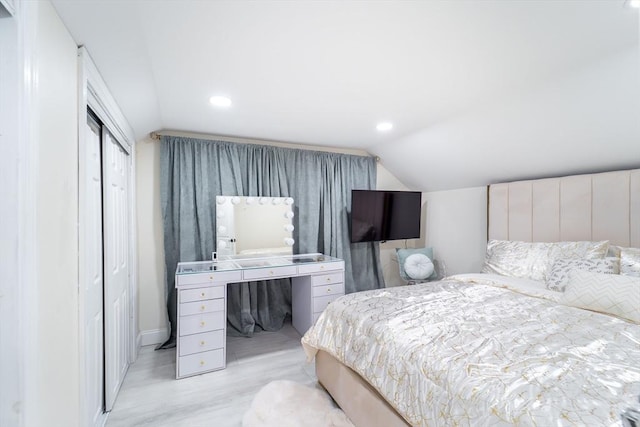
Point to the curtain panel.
(193, 172)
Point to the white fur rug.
(289, 404)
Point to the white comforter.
(475, 350)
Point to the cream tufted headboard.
(604, 206)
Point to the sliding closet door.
(116, 260)
(93, 278)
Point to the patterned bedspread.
(476, 351)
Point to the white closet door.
(116, 260)
(93, 280)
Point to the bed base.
(364, 406)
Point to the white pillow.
(559, 274)
(532, 260)
(630, 261)
(605, 293)
(418, 266)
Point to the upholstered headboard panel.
(604, 206)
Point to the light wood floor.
(151, 396)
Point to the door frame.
(19, 278)
(93, 93)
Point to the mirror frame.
(226, 234)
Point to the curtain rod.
(157, 134)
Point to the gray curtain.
(193, 172)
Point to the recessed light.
(635, 3)
(220, 101)
(384, 126)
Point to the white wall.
(54, 118)
(152, 314)
(10, 346)
(456, 227)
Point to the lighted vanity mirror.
(254, 225)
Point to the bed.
(501, 349)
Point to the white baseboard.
(153, 336)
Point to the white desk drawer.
(201, 342)
(200, 362)
(209, 278)
(270, 272)
(201, 323)
(320, 303)
(206, 306)
(200, 294)
(321, 291)
(315, 317)
(326, 279)
(320, 267)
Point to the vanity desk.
(317, 280)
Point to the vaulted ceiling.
(477, 91)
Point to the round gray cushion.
(418, 266)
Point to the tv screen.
(384, 215)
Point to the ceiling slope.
(477, 91)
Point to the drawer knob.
(328, 290)
(328, 279)
(202, 307)
(202, 294)
(202, 343)
(202, 323)
(271, 272)
(202, 363)
(210, 277)
(322, 267)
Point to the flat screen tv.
(384, 215)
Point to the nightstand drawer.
(326, 279)
(200, 362)
(198, 343)
(269, 273)
(201, 323)
(206, 306)
(321, 291)
(211, 292)
(320, 303)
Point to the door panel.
(93, 281)
(116, 291)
